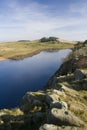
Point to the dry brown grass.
(18, 50)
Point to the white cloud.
(34, 21)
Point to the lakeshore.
(20, 50)
(63, 105)
(28, 74)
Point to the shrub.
(49, 39)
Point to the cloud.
(80, 8)
(35, 20)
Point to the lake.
(30, 74)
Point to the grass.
(77, 102)
(14, 112)
(19, 50)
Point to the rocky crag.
(62, 106)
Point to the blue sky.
(33, 19)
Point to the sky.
(33, 19)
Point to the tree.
(49, 39)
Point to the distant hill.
(66, 41)
(24, 41)
(56, 39)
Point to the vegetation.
(19, 50)
(68, 86)
(49, 39)
(81, 44)
(24, 41)
(76, 89)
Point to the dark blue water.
(29, 74)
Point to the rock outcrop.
(79, 74)
(48, 127)
(61, 106)
(63, 117)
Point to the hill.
(24, 48)
(67, 41)
(56, 40)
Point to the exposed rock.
(63, 117)
(63, 88)
(67, 67)
(30, 102)
(80, 84)
(48, 127)
(79, 74)
(82, 62)
(52, 83)
(53, 97)
(59, 92)
(67, 128)
(1, 122)
(38, 118)
(54, 127)
(61, 109)
(59, 105)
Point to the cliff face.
(62, 106)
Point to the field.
(20, 50)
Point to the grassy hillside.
(18, 50)
(73, 75)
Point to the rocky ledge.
(63, 104)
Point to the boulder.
(79, 74)
(59, 92)
(54, 127)
(53, 97)
(82, 62)
(63, 117)
(29, 102)
(1, 122)
(38, 118)
(48, 127)
(67, 128)
(59, 105)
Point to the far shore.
(21, 50)
(29, 54)
(2, 59)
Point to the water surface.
(29, 74)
